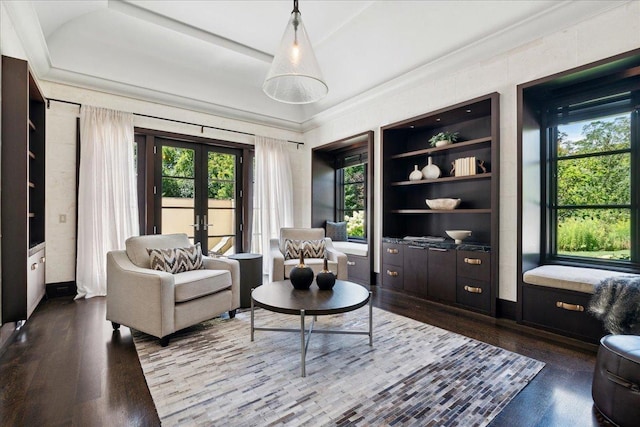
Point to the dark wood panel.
(392, 276)
(474, 294)
(415, 270)
(473, 264)
(359, 269)
(442, 275)
(392, 254)
(540, 308)
(323, 185)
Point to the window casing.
(592, 163)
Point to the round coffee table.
(281, 297)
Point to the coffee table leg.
(252, 316)
(370, 318)
(302, 346)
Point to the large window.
(352, 195)
(592, 203)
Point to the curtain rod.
(202, 127)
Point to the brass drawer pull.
(43, 260)
(473, 261)
(473, 289)
(438, 250)
(34, 265)
(392, 273)
(392, 251)
(351, 263)
(570, 307)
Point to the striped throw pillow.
(310, 248)
(176, 260)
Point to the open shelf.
(445, 179)
(454, 146)
(443, 211)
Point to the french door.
(197, 191)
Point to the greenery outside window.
(592, 209)
(352, 194)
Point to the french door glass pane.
(178, 191)
(221, 203)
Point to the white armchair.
(280, 267)
(160, 303)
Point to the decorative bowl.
(443, 204)
(458, 235)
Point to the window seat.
(352, 248)
(577, 279)
(557, 297)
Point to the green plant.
(355, 224)
(443, 136)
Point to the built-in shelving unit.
(23, 191)
(405, 145)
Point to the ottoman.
(616, 380)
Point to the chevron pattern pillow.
(310, 248)
(176, 260)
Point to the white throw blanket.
(616, 302)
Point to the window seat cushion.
(578, 279)
(352, 248)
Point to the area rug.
(414, 374)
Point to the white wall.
(605, 35)
(61, 157)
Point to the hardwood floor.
(67, 367)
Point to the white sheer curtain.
(107, 199)
(273, 195)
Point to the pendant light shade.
(295, 76)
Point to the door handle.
(196, 226)
(206, 226)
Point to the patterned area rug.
(414, 375)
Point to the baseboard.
(61, 289)
(506, 309)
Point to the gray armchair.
(280, 267)
(160, 303)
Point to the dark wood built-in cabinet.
(23, 191)
(427, 268)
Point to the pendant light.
(295, 76)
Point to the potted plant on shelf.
(443, 138)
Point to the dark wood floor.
(66, 367)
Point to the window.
(351, 193)
(592, 204)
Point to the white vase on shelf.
(416, 175)
(430, 171)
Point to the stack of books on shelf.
(465, 166)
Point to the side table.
(250, 275)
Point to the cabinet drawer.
(392, 254)
(476, 265)
(35, 280)
(473, 293)
(358, 269)
(392, 276)
(542, 306)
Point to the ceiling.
(212, 56)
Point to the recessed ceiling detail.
(214, 56)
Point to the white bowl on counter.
(458, 235)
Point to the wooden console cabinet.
(438, 270)
(23, 196)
